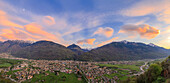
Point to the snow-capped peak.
(153, 45)
(125, 41)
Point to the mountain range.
(49, 50)
(125, 50)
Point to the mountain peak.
(44, 41)
(72, 46)
(153, 45)
(17, 41)
(124, 41)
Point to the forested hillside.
(125, 51)
(45, 50)
(156, 73)
(52, 51)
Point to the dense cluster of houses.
(95, 74)
(26, 74)
(22, 72)
(87, 70)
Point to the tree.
(153, 72)
(167, 81)
(64, 78)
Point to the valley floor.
(31, 71)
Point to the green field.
(52, 78)
(122, 70)
(11, 72)
(11, 61)
(122, 75)
(5, 65)
(121, 66)
(4, 80)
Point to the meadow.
(52, 78)
(4, 63)
(123, 70)
(121, 66)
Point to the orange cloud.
(108, 32)
(4, 20)
(15, 34)
(86, 41)
(49, 20)
(145, 31)
(2, 12)
(108, 41)
(37, 29)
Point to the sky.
(87, 23)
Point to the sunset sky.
(88, 23)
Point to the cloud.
(165, 38)
(15, 34)
(16, 24)
(146, 7)
(35, 28)
(165, 31)
(49, 20)
(55, 28)
(21, 34)
(165, 42)
(7, 7)
(108, 41)
(145, 31)
(86, 41)
(60, 24)
(107, 31)
(159, 8)
(164, 16)
(4, 20)
(13, 27)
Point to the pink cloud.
(145, 31)
(107, 31)
(4, 20)
(36, 29)
(15, 34)
(49, 20)
(86, 41)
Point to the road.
(12, 79)
(142, 69)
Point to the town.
(86, 72)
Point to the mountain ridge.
(123, 50)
